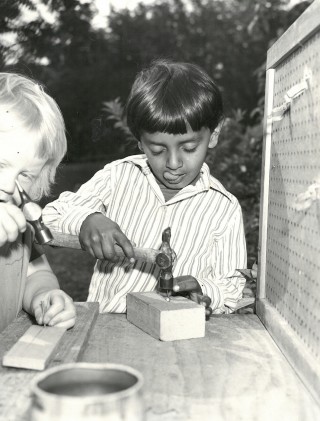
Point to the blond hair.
(38, 113)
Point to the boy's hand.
(190, 284)
(98, 236)
(59, 310)
(12, 222)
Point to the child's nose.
(174, 161)
(8, 184)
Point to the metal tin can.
(88, 391)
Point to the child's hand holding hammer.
(98, 236)
(188, 284)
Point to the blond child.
(32, 144)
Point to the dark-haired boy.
(175, 112)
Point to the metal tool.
(33, 214)
(166, 278)
(146, 254)
(44, 309)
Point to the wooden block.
(34, 349)
(179, 318)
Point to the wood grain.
(302, 29)
(235, 373)
(35, 348)
(179, 318)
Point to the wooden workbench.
(236, 372)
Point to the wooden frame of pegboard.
(292, 345)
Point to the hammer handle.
(72, 241)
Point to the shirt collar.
(211, 182)
(205, 182)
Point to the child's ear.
(140, 146)
(215, 136)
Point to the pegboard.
(289, 274)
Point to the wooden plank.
(303, 28)
(305, 365)
(172, 320)
(70, 347)
(35, 348)
(264, 199)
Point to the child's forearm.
(38, 282)
(67, 213)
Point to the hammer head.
(33, 214)
(166, 277)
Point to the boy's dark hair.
(168, 95)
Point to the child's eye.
(190, 150)
(157, 152)
(26, 176)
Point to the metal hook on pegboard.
(278, 113)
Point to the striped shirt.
(206, 223)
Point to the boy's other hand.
(57, 309)
(98, 236)
(12, 222)
(188, 284)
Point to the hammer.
(166, 278)
(33, 214)
(161, 258)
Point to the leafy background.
(89, 71)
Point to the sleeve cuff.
(224, 293)
(71, 224)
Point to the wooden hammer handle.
(72, 241)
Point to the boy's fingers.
(125, 244)
(99, 251)
(194, 297)
(208, 312)
(205, 299)
(109, 253)
(185, 283)
(200, 299)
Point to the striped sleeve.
(226, 284)
(67, 213)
